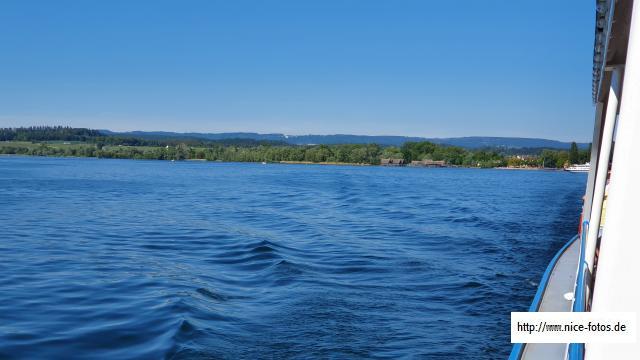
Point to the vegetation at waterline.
(66, 141)
(551, 158)
(453, 155)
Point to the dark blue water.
(116, 259)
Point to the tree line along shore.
(80, 142)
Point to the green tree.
(392, 152)
(574, 155)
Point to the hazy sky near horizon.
(374, 67)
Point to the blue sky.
(394, 67)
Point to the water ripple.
(122, 259)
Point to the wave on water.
(140, 259)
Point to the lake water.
(116, 259)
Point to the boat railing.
(576, 350)
(518, 348)
(580, 302)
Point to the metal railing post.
(603, 168)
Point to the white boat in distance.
(579, 168)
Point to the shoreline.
(527, 168)
(283, 162)
(192, 160)
(287, 162)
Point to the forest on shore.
(82, 142)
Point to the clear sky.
(393, 67)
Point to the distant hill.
(470, 142)
(206, 136)
(474, 142)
